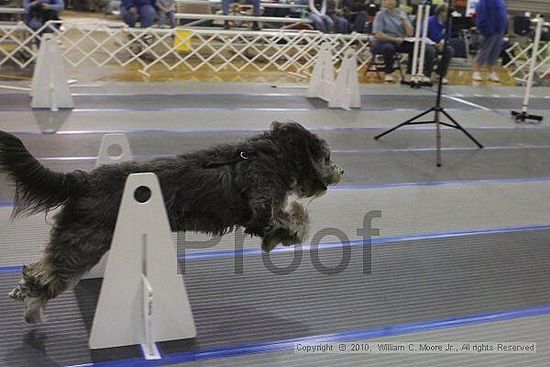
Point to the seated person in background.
(143, 10)
(321, 22)
(355, 12)
(300, 11)
(437, 29)
(167, 9)
(257, 13)
(38, 12)
(390, 27)
(342, 24)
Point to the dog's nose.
(341, 171)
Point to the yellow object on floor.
(182, 42)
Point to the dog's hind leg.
(28, 291)
(66, 258)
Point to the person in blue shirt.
(143, 10)
(492, 23)
(38, 12)
(355, 12)
(341, 23)
(437, 29)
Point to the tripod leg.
(403, 124)
(458, 126)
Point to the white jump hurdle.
(143, 299)
(114, 148)
(50, 87)
(342, 92)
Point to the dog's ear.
(275, 125)
(281, 131)
(288, 131)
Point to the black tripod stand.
(437, 109)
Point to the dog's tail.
(37, 188)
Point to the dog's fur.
(209, 191)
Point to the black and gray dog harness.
(242, 156)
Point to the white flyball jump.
(346, 91)
(114, 148)
(143, 299)
(50, 88)
(342, 93)
(322, 79)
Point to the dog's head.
(311, 155)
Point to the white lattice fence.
(520, 60)
(102, 44)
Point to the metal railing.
(214, 49)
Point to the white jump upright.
(50, 88)
(143, 299)
(416, 47)
(109, 142)
(346, 90)
(322, 79)
(419, 49)
(424, 39)
(524, 114)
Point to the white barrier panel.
(143, 300)
(322, 79)
(114, 148)
(346, 90)
(50, 88)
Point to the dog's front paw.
(269, 243)
(298, 212)
(275, 236)
(298, 226)
(290, 228)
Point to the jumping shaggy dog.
(211, 191)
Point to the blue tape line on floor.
(348, 336)
(375, 241)
(10, 269)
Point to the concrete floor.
(499, 188)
